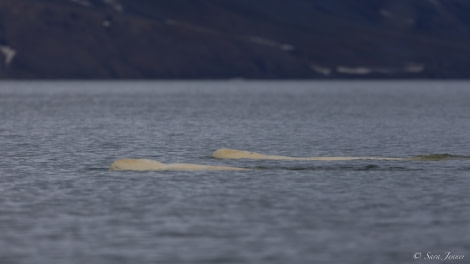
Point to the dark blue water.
(59, 203)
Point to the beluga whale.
(225, 153)
(129, 164)
(153, 165)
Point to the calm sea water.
(59, 203)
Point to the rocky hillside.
(125, 39)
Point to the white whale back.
(136, 164)
(225, 153)
(153, 165)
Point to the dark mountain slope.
(234, 38)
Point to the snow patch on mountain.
(354, 70)
(411, 67)
(270, 43)
(320, 69)
(114, 4)
(8, 53)
(106, 23)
